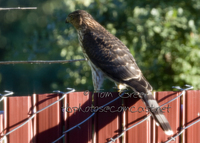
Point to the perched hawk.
(109, 57)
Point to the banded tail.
(140, 85)
(157, 113)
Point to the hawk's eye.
(71, 17)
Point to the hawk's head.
(79, 18)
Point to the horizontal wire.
(40, 62)
(22, 8)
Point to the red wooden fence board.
(192, 114)
(18, 110)
(141, 132)
(108, 122)
(173, 116)
(48, 123)
(74, 101)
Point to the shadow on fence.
(105, 126)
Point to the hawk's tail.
(157, 113)
(142, 86)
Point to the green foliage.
(163, 36)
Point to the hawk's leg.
(97, 78)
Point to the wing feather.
(114, 59)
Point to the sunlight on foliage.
(163, 36)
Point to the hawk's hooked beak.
(67, 19)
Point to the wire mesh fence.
(41, 118)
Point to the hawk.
(109, 57)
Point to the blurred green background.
(163, 36)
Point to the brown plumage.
(109, 57)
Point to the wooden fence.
(108, 123)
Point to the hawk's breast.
(97, 74)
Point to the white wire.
(64, 94)
(183, 91)
(4, 95)
(87, 118)
(173, 138)
(78, 125)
